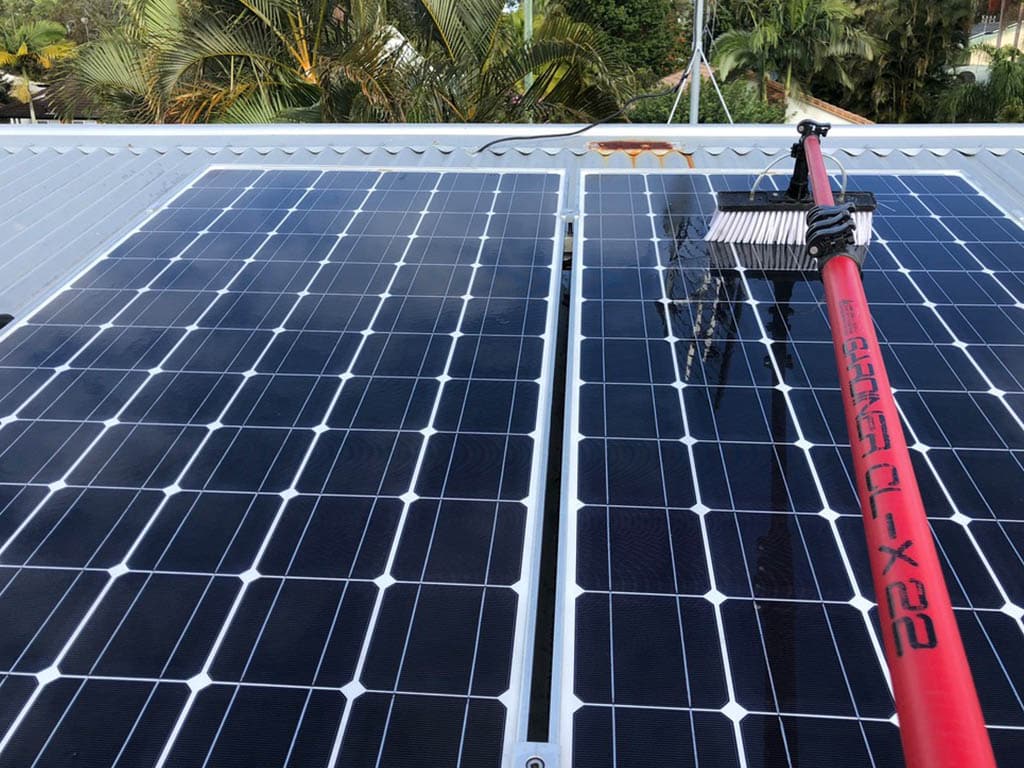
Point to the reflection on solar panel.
(270, 476)
(718, 607)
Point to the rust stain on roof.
(630, 146)
(633, 149)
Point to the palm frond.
(740, 49)
(51, 54)
(113, 72)
(269, 105)
(155, 22)
(466, 26)
(250, 45)
(280, 19)
(373, 73)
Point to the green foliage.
(16, 12)
(1000, 99)
(266, 60)
(922, 39)
(644, 34)
(409, 16)
(83, 19)
(745, 106)
(739, 14)
(472, 65)
(118, 77)
(886, 59)
(721, 15)
(795, 41)
(1011, 112)
(31, 49)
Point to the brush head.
(774, 218)
(775, 227)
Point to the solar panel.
(718, 605)
(271, 472)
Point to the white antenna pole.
(695, 64)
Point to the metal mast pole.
(695, 64)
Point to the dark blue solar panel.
(270, 477)
(719, 608)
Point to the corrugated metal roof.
(67, 192)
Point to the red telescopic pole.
(941, 725)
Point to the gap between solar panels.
(542, 678)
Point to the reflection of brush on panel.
(705, 302)
(941, 724)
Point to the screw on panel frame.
(534, 762)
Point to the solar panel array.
(272, 473)
(718, 606)
(270, 477)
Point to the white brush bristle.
(774, 227)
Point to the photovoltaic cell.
(270, 474)
(718, 607)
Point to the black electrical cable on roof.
(655, 95)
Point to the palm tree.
(265, 60)
(29, 48)
(185, 62)
(120, 73)
(249, 60)
(260, 60)
(317, 59)
(795, 40)
(473, 66)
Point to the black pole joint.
(799, 189)
(831, 232)
(812, 128)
